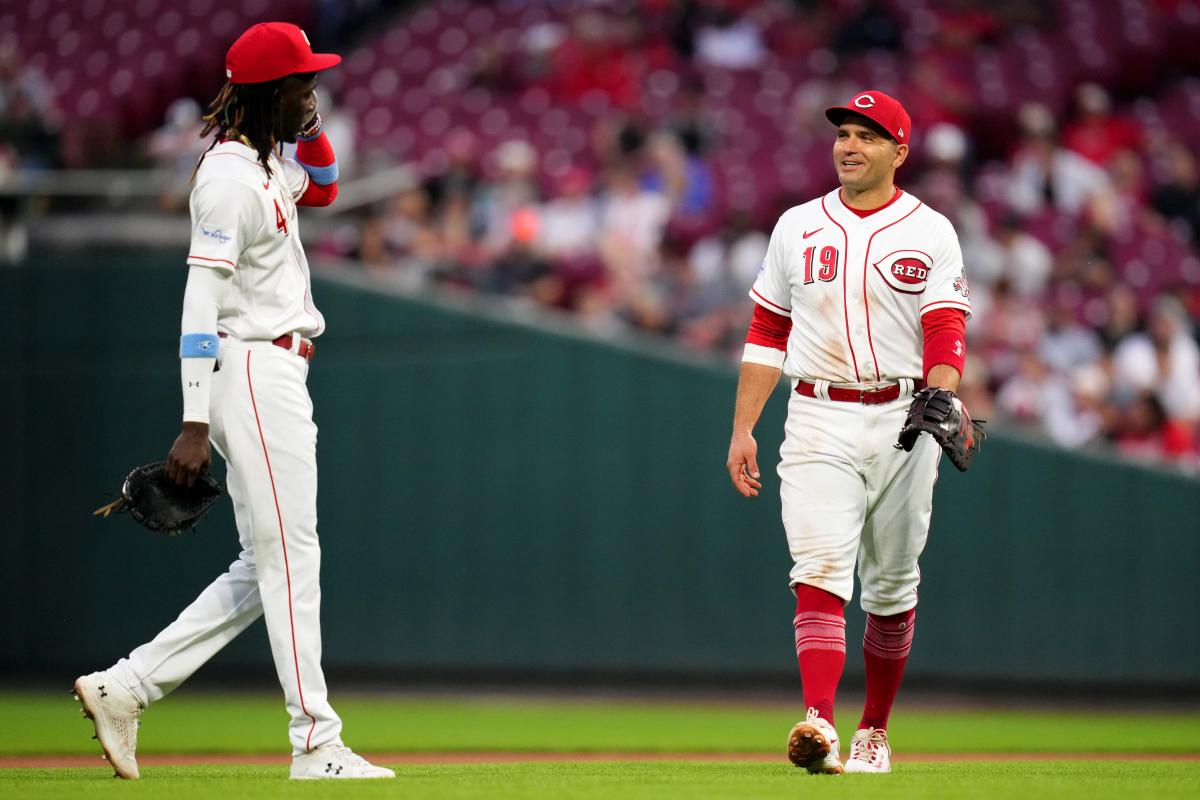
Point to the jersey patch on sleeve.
(214, 233)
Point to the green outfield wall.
(515, 497)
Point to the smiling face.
(865, 159)
(298, 103)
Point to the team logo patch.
(960, 286)
(905, 271)
(216, 234)
(864, 101)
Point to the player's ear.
(901, 155)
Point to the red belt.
(868, 397)
(305, 350)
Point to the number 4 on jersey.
(280, 219)
(829, 264)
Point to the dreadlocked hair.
(250, 112)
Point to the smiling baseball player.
(861, 302)
(248, 320)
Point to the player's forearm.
(198, 341)
(755, 384)
(943, 376)
(314, 152)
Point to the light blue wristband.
(198, 345)
(322, 176)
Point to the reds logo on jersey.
(905, 271)
(960, 286)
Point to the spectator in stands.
(593, 58)
(1007, 331)
(400, 241)
(727, 261)
(632, 223)
(720, 267)
(1097, 133)
(570, 221)
(1068, 344)
(729, 39)
(1083, 417)
(1033, 393)
(691, 122)
(29, 120)
(176, 147)
(461, 175)
(1046, 175)
(1024, 261)
(936, 93)
(570, 227)
(1146, 433)
(520, 270)
(1120, 316)
(513, 189)
(683, 178)
(1124, 212)
(1178, 193)
(1164, 360)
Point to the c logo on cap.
(864, 101)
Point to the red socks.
(820, 625)
(886, 643)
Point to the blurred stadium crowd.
(625, 160)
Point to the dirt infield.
(191, 759)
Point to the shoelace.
(815, 718)
(348, 755)
(870, 748)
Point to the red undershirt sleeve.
(766, 341)
(945, 332)
(318, 160)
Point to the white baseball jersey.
(244, 222)
(856, 288)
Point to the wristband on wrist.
(312, 130)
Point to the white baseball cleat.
(335, 761)
(813, 744)
(869, 751)
(114, 711)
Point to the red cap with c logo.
(882, 109)
(272, 50)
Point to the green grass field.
(638, 781)
(208, 723)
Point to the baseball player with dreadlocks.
(245, 349)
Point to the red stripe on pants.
(283, 543)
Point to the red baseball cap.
(884, 110)
(271, 50)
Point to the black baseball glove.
(160, 504)
(943, 416)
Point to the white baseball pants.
(261, 423)
(848, 495)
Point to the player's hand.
(190, 454)
(743, 464)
